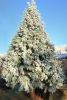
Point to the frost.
(30, 59)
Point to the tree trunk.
(47, 95)
(34, 96)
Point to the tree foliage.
(30, 61)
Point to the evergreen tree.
(30, 61)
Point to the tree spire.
(33, 1)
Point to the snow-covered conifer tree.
(30, 60)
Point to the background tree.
(2, 59)
(30, 61)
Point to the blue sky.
(53, 12)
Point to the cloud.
(61, 48)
